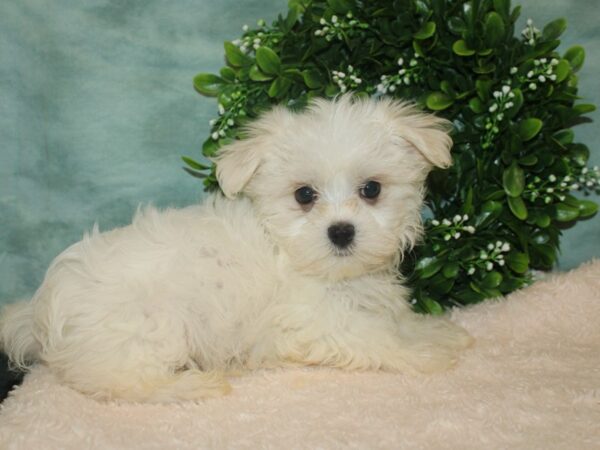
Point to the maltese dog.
(296, 265)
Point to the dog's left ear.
(238, 162)
(429, 134)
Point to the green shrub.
(498, 211)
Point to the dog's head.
(340, 185)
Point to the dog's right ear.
(238, 162)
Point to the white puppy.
(298, 266)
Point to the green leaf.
(513, 180)
(235, 56)
(562, 70)
(428, 266)
(312, 78)
(193, 164)
(437, 101)
(227, 73)
(580, 154)
(451, 270)
(494, 29)
(517, 207)
(210, 147)
(587, 208)
(543, 220)
(576, 57)
(483, 88)
(432, 306)
(426, 31)
(208, 84)
(257, 75)
(279, 87)
(491, 280)
(517, 261)
(529, 128)
(529, 160)
(565, 213)
(268, 61)
(564, 136)
(476, 105)
(341, 6)
(490, 211)
(554, 29)
(460, 48)
(584, 108)
(502, 6)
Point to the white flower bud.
(489, 266)
(465, 217)
(506, 247)
(334, 19)
(400, 61)
(215, 136)
(457, 235)
(497, 94)
(490, 246)
(392, 88)
(221, 109)
(552, 178)
(435, 222)
(531, 41)
(446, 222)
(406, 79)
(529, 22)
(471, 271)
(493, 108)
(447, 237)
(554, 61)
(501, 262)
(505, 89)
(530, 74)
(543, 60)
(457, 218)
(245, 28)
(513, 70)
(322, 21)
(532, 86)
(542, 79)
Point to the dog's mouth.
(343, 252)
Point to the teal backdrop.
(97, 106)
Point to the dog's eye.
(305, 195)
(370, 190)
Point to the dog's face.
(338, 186)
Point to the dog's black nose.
(341, 234)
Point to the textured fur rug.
(532, 381)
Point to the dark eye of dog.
(370, 190)
(305, 195)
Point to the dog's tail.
(16, 334)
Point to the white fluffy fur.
(163, 309)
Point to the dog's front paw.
(434, 345)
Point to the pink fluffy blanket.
(531, 381)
